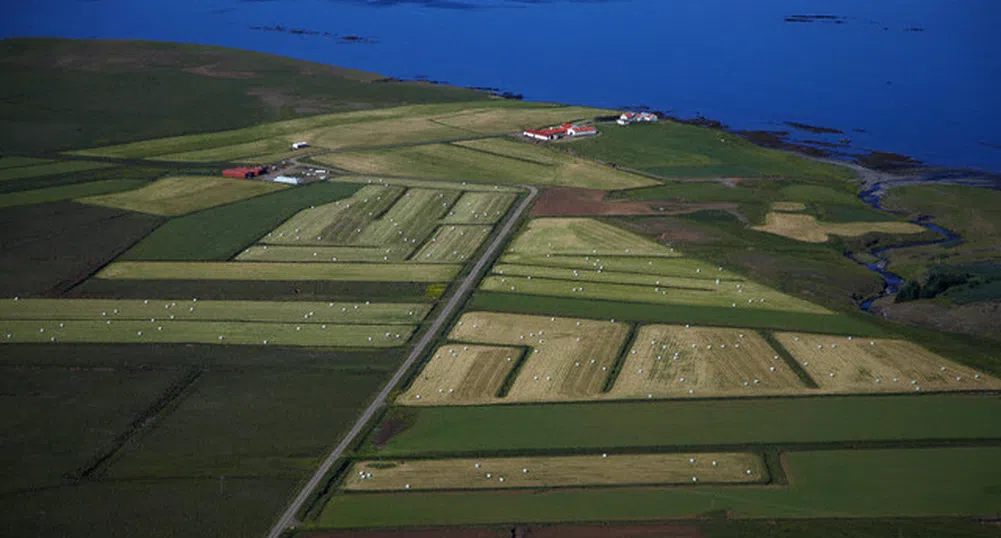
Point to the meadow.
(555, 471)
(178, 195)
(68, 192)
(568, 236)
(49, 169)
(887, 483)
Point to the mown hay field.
(690, 281)
(338, 222)
(808, 229)
(479, 208)
(556, 471)
(320, 254)
(452, 244)
(569, 358)
(184, 194)
(567, 236)
(411, 219)
(431, 184)
(854, 364)
(750, 296)
(458, 163)
(159, 331)
(671, 361)
(358, 272)
(460, 374)
(654, 266)
(50, 169)
(194, 309)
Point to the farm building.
(560, 131)
(300, 145)
(288, 180)
(630, 117)
(245, 172)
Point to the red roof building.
(245, 172)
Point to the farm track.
(288, 517)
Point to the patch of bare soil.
(574, 202)
(978, 319)
(216, 71)
(388, 429)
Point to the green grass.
(871, 483)
(672, 313)
(411, 219)
(50, 169)
(221, 232)
(62, 93)
(479, 208)
(359, 272)
(676, 150)
(68, 192)
(644, 265)
(319, 254)
(189, 310)
(774, 421)
(452, 244)
(14, 161)
(178, 195)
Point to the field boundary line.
(801, 373)
(621, 357)
(512, 374)
(458, 298)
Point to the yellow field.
(806, 227)
(454, 244)
(674, 361)
(556, 471)
(459, 374)
(286, 253)
(788, 206)
(357, 272)
(839, 364)
(458, 163)
(570, 358)
(184, 194)
(503, 120)
(559, 236)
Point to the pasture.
(184, 194)
(757, 298)
(194, 309)
(841, 483)
(570, 359)
(166, 331)
(452, 244)
(674, 361)
(555, 471)
(10, 161)
(854, 364)
(462, 375)
(68, 192)
(49, 169)
(358, 272)
(808, 229)
(479, 208)
(567, 236)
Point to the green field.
(204, 332)
(338, 222)
(651, 266)
(185, 194)
(567, 236)
(672, 313)
(776, 421)
(68, 192)
(453, 244)
(221, 232)
(411, 219)
(319, 254)
(672, 149)
(361, 272)
(850, 483)
(49, 169)
(193, 309)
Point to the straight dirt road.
(288, 518)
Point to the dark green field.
(849, 483)
(63, 93)
(221, 232)
(733, 422)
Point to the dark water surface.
(917, 77)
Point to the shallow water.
(919, 77)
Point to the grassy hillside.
(63, 93)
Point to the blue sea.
(916, 77)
